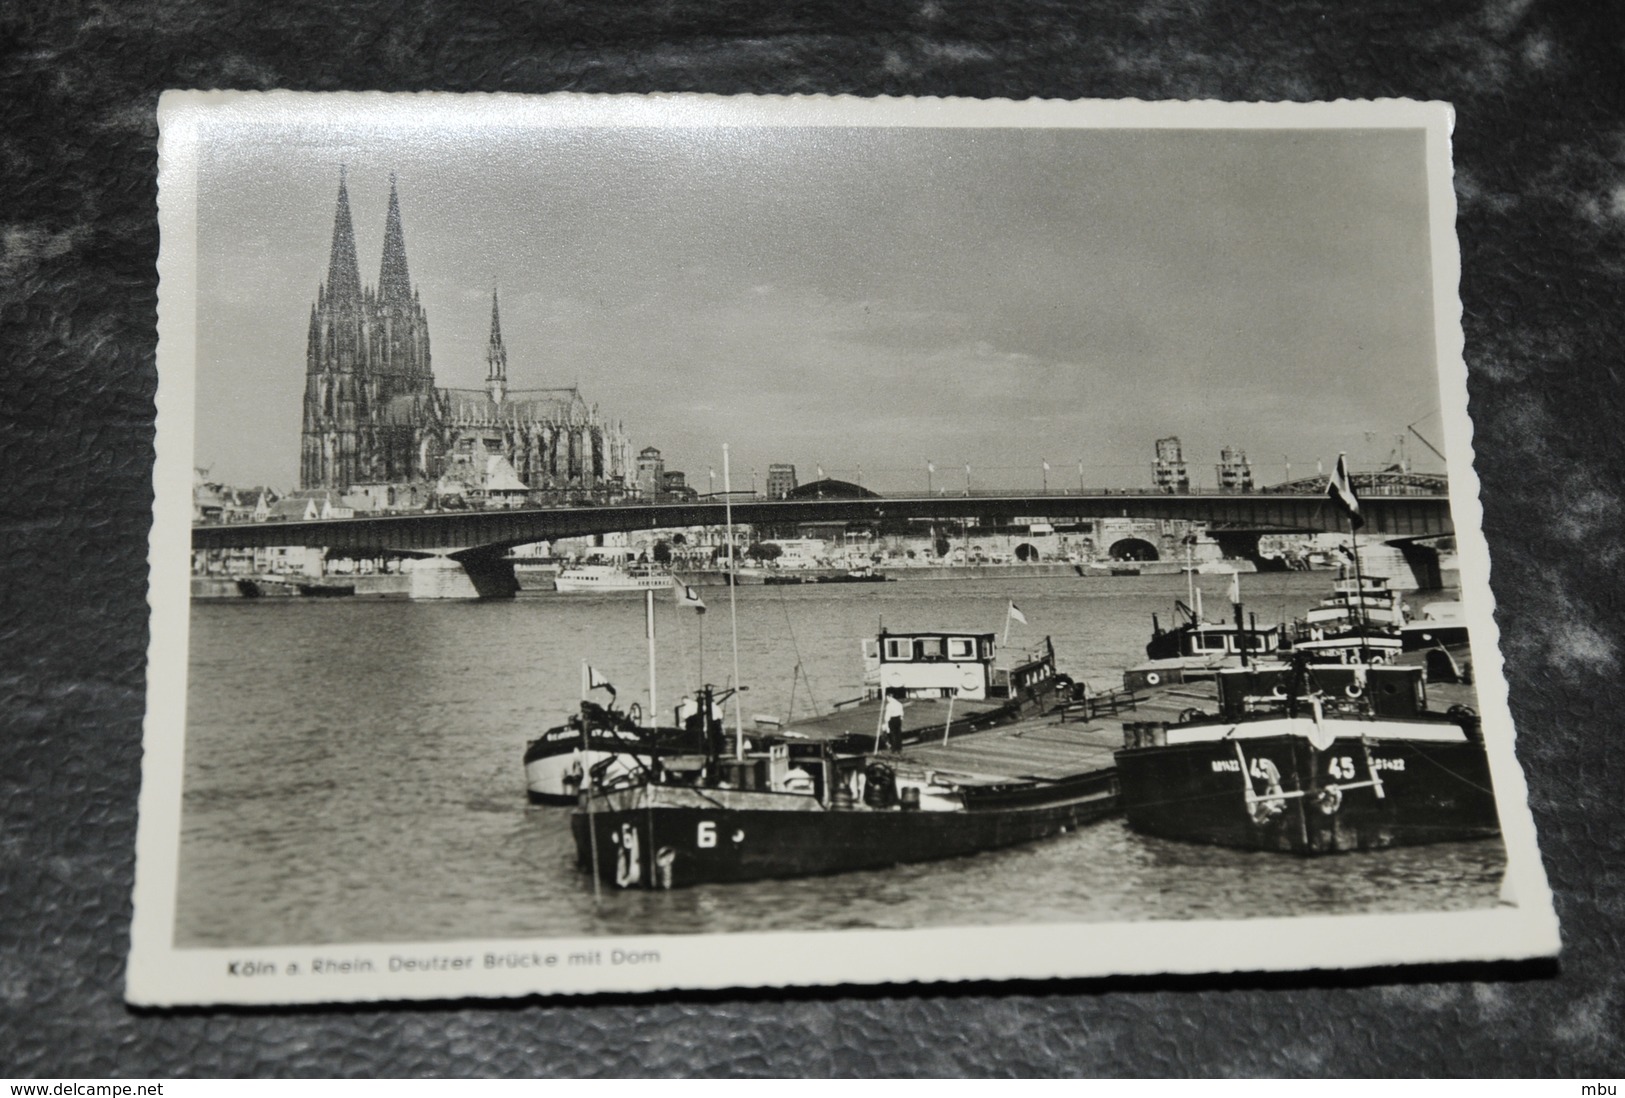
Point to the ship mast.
(733, 605)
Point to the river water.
(353, 769)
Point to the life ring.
(1278, 691)
(1353, 690)
(1152, 678)
(1329, 800)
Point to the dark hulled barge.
(1312, 760)
(774, 815)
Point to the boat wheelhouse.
(1358, 600)
(932, 665)
(1361, 622)
(1198, 649)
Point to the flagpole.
(586, 788)
(1346, 478)
(1359, 587)
(1005, 643)
(649, 630)
(733, 605)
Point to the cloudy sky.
(834, 296)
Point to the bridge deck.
(490, 533)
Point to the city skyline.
(1099, 289)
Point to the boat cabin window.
(1210, 643)
(961, 648)
(928, 648)
(899, 648)
(987, 650)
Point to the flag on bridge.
(1340, 490)
(687, 596)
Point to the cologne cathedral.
(373, 415)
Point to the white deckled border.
(1522, 926)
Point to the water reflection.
(353, 772)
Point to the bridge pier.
(463, 576)
(1407, 567)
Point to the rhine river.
(353, 769)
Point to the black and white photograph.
(634, 542)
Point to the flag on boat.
(1235, 589)
(1016, 613)
(1340, 489)
(596, 679)
(687, 596)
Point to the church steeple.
(343, 272)
(394, 283)
(496, 356)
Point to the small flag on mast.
(1340, 490)
(1017, 614)
(687, 596)
(596, 679)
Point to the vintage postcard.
(648, 542)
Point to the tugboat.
(1196, 648)
(1362, 622)
(1312, 759)
(616, 744)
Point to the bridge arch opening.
(1027, 553)
(1134, 549)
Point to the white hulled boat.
(578, 578)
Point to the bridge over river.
(477, 542)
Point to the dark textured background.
(1540, 157)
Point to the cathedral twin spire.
(344, 271)
(394, 284)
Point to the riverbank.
(211, 588)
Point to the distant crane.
(1411, 427)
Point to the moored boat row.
(1260, 739)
